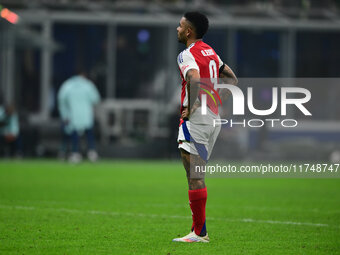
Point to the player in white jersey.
(197, 135)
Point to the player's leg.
(193, 154)
(65, 143)
(16, 147)
(190, 161)
(2, 145)
(190, 153)
(75, 155)
(197, 191)
(92, 155)
(11, 147)
(197, 198)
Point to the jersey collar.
(192, 45)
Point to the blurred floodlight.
(9, 15)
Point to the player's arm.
(192, 78)
(227, 77)
(227, 74)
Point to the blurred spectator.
(76, 100)
(10, 141)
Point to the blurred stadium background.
(129, 49)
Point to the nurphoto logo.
(296, 96)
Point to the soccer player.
(197, 135)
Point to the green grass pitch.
(137, 207)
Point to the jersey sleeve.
(220, 62)
(186, 61)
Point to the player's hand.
(185, 114)
(196, 105)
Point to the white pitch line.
(186, 205)
(314, 210)
(108, 213)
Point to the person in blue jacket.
(76, 100)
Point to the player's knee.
(196, 184)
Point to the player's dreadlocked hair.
(199, 21)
